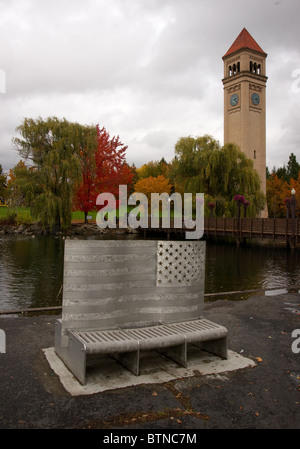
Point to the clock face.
(255, 99)
(234, 99)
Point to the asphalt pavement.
(264, 395)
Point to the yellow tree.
(152, 184)
(158, 184)
(277, 192)
(153, 168)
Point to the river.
(31, 271)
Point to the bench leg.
(73, 354)
(217, 347)
(176, 353)
(130, 360)
(77, 359)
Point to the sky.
(149, 71)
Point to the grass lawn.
(23, 215)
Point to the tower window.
(233, 70)
(255, 68)
(254, 155)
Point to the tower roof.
(244, 40)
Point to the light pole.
(293, 202)
(293, 207)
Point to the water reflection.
(31, 270)
(232, 268)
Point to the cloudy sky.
(149, 71)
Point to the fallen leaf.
(256, 413)
(259, 359)
(203, 416)
(154, 393)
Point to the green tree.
(289, 171)
(282, 173)
(134, 178)
(203, 166)
(3, 185)
(293, 168)
(20, 187)
(54, 148)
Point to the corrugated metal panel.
(120, 283)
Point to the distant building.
(245, 101)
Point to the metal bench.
(121, 297)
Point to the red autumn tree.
(103, 172)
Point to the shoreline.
(77, 228)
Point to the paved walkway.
(265, 393)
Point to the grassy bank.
(15, 215)
(23, 215)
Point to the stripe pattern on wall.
(111, 284)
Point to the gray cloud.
(149, 71)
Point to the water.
(31, 271)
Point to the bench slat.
(120, 340)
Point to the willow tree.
(54, 149)
(3, 185)
(201, 165)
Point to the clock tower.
(245, 101)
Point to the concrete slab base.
(104, 373)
